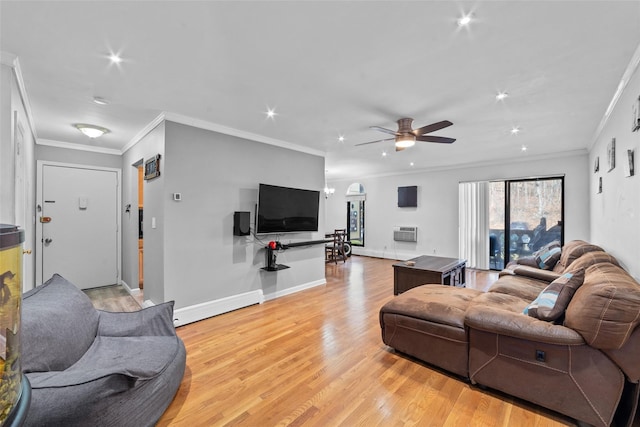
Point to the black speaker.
(241, 225)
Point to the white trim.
(193, 313)
(39, 202)
(11, 60)
(130, 291)
(203, 124)
(148, 303)
(626, 77)
(385, 254)
(81, 147)
(295, 289)
(143, 132)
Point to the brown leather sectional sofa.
(584, 364)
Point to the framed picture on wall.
(635, 115)
(611, 154)
(152, 167)
(599, 184)
(628, 164)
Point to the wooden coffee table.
(428, 270)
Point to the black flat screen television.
(286, 210)
(408, 197)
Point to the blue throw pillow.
(552, 302)
(547, 257)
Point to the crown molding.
(143, 132)
(203, 124)
(79, 147)
(626, 77)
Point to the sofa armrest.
(156, 320)
(535, 273)
(518, 325)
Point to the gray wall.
(216, 175)
(437, 213)
(154, 239)
(615, 213)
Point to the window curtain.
(473, 227)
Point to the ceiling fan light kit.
(405, 141)
(406, 136)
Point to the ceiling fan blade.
(373, 142)
(385, 130)
(399, 148)
(433, 138)
(432, 127)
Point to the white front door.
(79, 220)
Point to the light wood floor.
(316, 358)
(112, 298)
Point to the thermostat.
(177, 196)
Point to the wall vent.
(405, 234)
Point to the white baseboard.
(193, 313)
(295, 289)
(386, 254)
(130, 290)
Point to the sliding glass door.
(524, 216)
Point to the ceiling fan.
(406, 137)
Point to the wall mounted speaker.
(241, 225)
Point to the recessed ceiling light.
(515, 130)
(271, 113)
(115, 58)
(464, 20)
(384, 154)
(502, 95)
(524, 148)
(341, 138)
(411, 164)
(92, 131)
(100, 101)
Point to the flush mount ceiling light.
(92, 131)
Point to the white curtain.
(473, 229)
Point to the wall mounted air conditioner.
(405, 234)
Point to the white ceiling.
(329, 68)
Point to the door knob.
(48, 240)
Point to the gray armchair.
(92, 367)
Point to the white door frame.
(39, 203)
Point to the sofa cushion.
(605, 310)
(547, 256)
(439, 304)
(572, 251)
(54, 339)
(552, 302)
(595, 257)
(519, 286)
